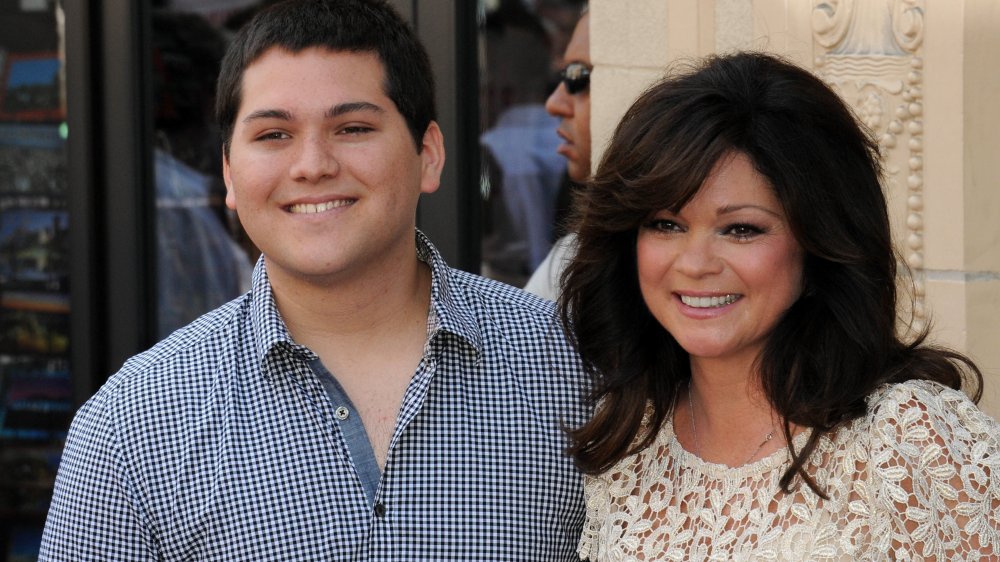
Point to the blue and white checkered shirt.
(221, 443)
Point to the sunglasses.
(576, 76)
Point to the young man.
(363, 401)
(571, 103)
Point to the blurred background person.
(570, 102)
(522, 171)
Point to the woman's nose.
(698, 257)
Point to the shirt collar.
(269, 329)
(452, 313)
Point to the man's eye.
(273, 135)
(355, 130)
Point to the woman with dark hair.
(734, 295)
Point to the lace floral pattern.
(918, 478)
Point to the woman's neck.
(724, 417)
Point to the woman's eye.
(743, 231)
(662, 225)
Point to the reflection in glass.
(203, 258)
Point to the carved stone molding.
(870, 53)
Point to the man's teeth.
(310, 208)
(709, 302)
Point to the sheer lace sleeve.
(597, 510)
(935, 475)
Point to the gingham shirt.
(220, 443)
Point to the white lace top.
(917, 478)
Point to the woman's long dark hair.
(833, 346)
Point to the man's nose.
(314, 160)
(559, 103)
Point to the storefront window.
(36, 392)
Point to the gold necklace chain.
(697, 442)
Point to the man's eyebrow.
(335, 111)
(351, 107)
(268, 114)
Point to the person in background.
(519, 146)
(363, 401)
(734, 293)
(571, 103)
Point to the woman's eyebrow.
(726, 209)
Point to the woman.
(735, 297)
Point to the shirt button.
(380, 510)
(342, 413)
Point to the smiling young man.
(363, 401)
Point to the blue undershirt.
(353, 430)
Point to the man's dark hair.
(358, 26)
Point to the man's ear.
(432, 157)
(228, 179)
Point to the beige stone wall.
(920, 73)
